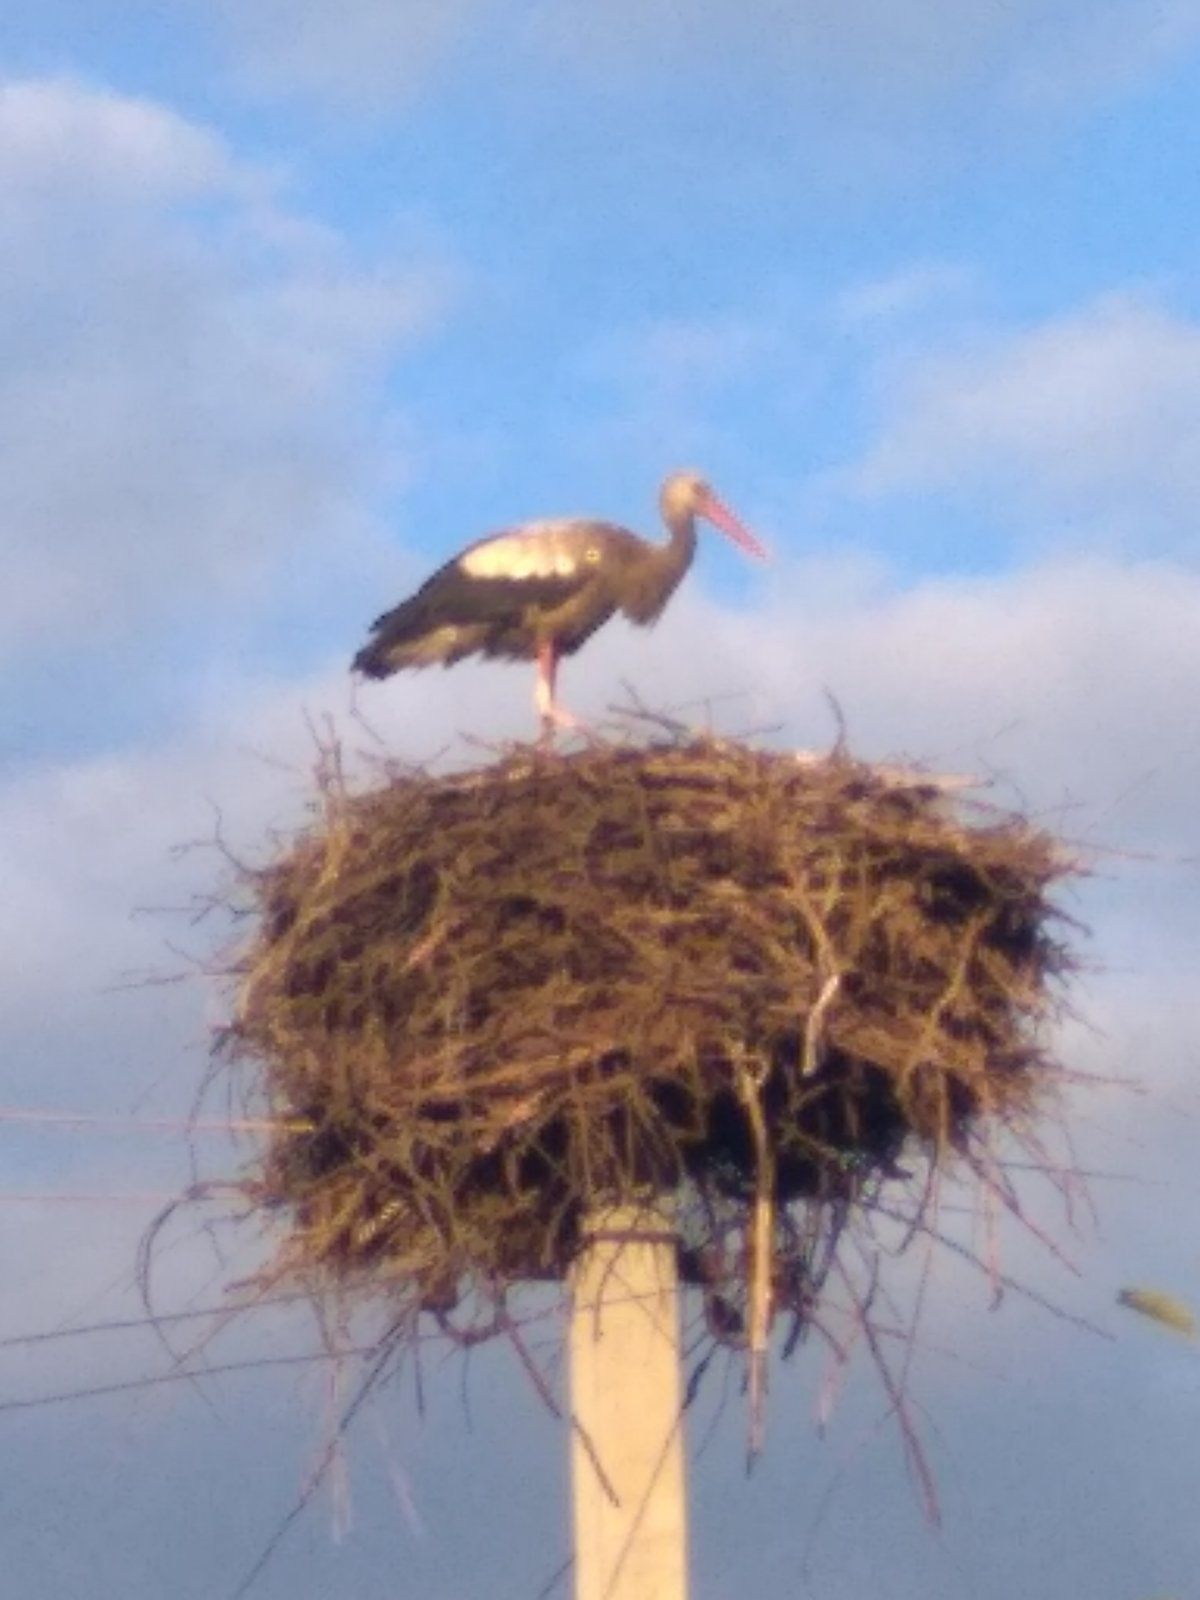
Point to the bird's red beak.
(719, 514)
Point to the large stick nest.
(477, 1005)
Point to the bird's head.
(687, 494)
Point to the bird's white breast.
(540, 550)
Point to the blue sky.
(298, 299)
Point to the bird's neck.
(681, 545)
(657, 572)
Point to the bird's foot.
(556, 719)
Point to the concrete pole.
(627, 1458)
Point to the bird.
(538, 591)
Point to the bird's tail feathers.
(374, 661)
(385, 652)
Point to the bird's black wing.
(457, 612)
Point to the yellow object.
(1164, 1308)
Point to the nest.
(478, 1006)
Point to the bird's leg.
(543, 694)
(552, 715)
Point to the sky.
(301, 298)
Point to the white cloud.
(357, 53)
(923, 286)
(89, 845)
(58, 134)
(1106, 48)
(863, 58)
(1093, 414)
(183, 386)
(879, 54)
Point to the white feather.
(535, 552)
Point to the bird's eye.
(591, 554)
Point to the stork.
(538, 591)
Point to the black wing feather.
(490, 615)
